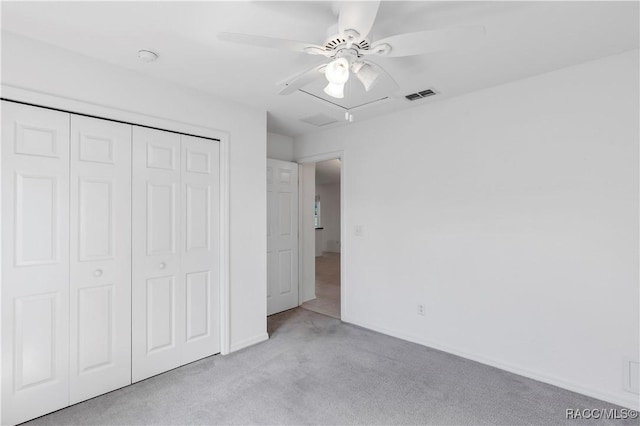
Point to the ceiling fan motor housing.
(338, 42)
(350, 54)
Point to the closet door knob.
(162, 265)
(98, 272)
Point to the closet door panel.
(35, 261)
(158, 301)
(100, 315)
(200, 243)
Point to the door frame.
(333, 155)
(74, 106)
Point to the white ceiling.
(523, 39)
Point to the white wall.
(512, 214)
(330, 215)
(279, 147)
(43, 68)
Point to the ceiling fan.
(350, 50)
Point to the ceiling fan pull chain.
(348, 116)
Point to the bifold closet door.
(201, 244)
(35, 262)
(156, 285)
(100, 314)
(175, 251)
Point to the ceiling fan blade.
(358, 16)
(302, 79)
(426, 41)
(274, 43)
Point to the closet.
(110, 256)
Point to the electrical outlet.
(358, 231)
(421, 309)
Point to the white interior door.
(157, 285)
(282, 236)
(175, 294)
(100, 314)
(35, 261)
(200, 207)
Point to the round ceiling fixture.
(147, 55)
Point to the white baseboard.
(631, 401)
(311, 297)
(236, 346)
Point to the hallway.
(327, 301)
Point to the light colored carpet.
(327, 301)
(317, 370)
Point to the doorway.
(327, 238)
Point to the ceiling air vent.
(421, 94)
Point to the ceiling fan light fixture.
(367, 74)
(335, 90)
(337, 71)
